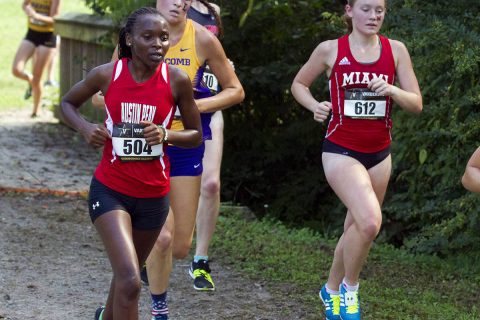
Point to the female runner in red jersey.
(367, 73)
(128, 199)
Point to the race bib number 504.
(362, 103)
(130, 145)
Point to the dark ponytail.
(212, 11)
(125, 51)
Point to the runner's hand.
(152, 133)
(96, 135)
(29, 11)
(381, 87)
(321, 111)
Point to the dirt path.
(52, 264)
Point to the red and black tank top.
(128, 164)
(361, 119)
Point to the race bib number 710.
(362, 103)
(130, 145)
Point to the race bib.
(362, 103)
(210, 81)
(130, 145)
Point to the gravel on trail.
(52, 263)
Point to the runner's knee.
(210, 186)
(16, 71)
(164, 241)
(181, 250)
(370, 228)
(128, 287)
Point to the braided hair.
(125, 51)
(212, 11)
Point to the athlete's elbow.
(417, 106)
(197, 138)
(418, 109)
(468, 184)
(239, 95)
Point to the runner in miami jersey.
(361, 119)
(184, 56)
(41, 7)
(128, 164)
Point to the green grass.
(395, 284)
(14, 29)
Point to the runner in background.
(39, 41)
(191, 46)
(129, 194)
(51, 68)
(471, 177)
(208, 15)
(367, 72)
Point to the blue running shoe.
(349, 304)
(332, 304)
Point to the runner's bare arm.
(211, 51)
(96, 80)
(320, 62)
(471, 177)
(182, 92)
(98, 98)
(407, 95)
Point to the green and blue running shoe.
(349, 304)
(99, 313)
(200, 273)
(332, 304)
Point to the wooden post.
(86, 42)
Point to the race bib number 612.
(362, 103)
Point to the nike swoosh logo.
(196, 165)
(184, 49)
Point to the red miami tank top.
(128, 164)
(361, 119)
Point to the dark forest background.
(272, 159)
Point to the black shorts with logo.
(146, 213)
(47, 39)
(369, 160)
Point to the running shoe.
(200, 273)
(332, 304)
(28, 93)
(349, 304)
(143, 275)
(99, 313)
(51, 83)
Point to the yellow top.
(41, 7)
(184, 56)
